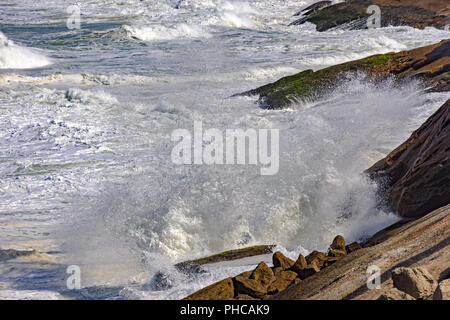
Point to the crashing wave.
(13, 56)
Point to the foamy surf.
(13, 56)
(86, 146)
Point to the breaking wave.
(13, 56)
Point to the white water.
(85, 141)
(13, 56)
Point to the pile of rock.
(265, 281)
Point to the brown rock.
(283, 280)
(353, 247)
(443, 290)
(330, 261)
(308, 271)
(338, 243)
(279, 260)
(416, 282)
(263, 274)
(250, 287)
(318, 257)
(222, 290)
(337, 253)
(415, 177)
(394, 294)
(300, 264)
(229, 255)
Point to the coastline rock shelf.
(352, 14)
(430, 63)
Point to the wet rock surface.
(431, 64)
(353, 14)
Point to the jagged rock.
(319, 258)
(443, 290)
(414, 179)
(300, 264)
(338, 243)
(282, 281)
(430, 64)
(416, 282)
(279, 260)
(308, 271)
(337, 253)
(337, 247)
(395, 294)
(263, 274)
(330, 261)
(352, 14)
(353, 247)
(222, 290)
(250, 287)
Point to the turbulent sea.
(86, 117)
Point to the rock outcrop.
(222, 290)
(279, 260)
(430, 63)
(414, 179)
(353, 14)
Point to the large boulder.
(283, 278)
(250, 287)
(263, 274)
(417, 282)
(443, 290)
(414, 179)
(300, 264)
(308, 271)
(319, 258)
(279, 260)
(255, 283)
(222, 290)
(337, 247)
(352, 247)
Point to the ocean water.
(86, 117)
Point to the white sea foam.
(13, 56)
(164, 33)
